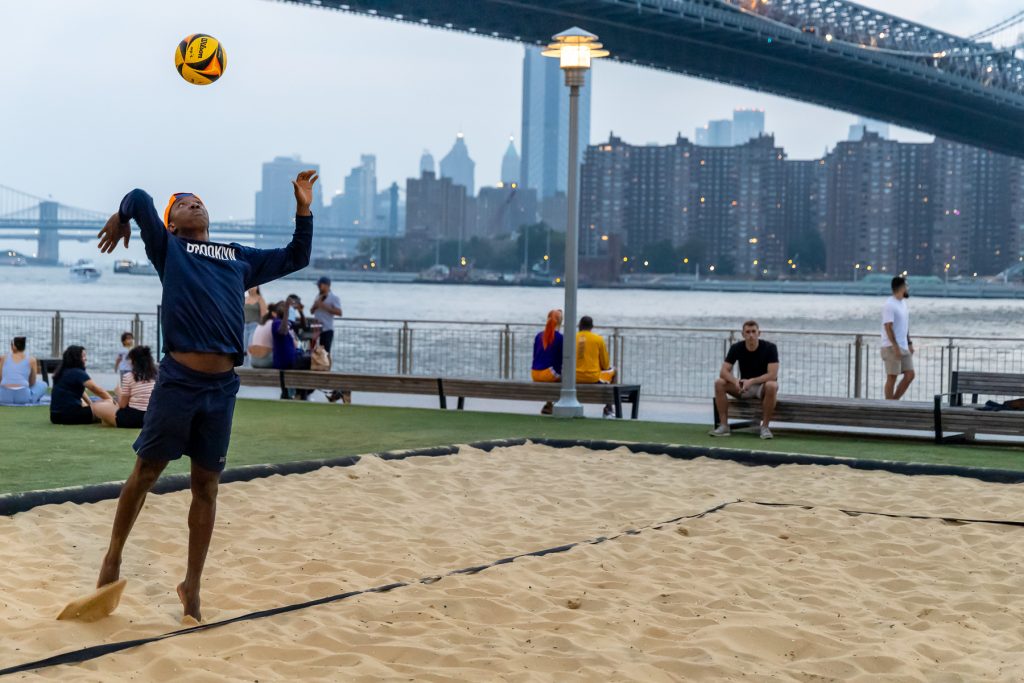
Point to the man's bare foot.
(110, 571)
(101, 603)
(190, 602)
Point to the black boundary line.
(13, 503)
(774, 459)
(96, 651)
(752, 458)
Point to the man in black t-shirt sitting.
(759, 378)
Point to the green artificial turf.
(35, 454)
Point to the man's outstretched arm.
(137, 205)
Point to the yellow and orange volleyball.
(200, 59)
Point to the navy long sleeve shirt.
(204, 283)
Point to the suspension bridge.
(831, 53)
(24, 216)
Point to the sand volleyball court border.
(19, 502)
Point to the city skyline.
(349, 98)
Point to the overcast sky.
(92, 105)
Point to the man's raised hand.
(112, 232)
(303, 184)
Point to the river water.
(41, 288)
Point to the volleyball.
(200, 59)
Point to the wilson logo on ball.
(200, 59)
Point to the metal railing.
(48, 333)
(678, 362)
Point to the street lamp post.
(575, 49)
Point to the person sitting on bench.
(592, 363)
(547, 354)
(759, 378)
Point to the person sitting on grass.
(759, 378)
(19, 376)
(133, 398)
(547, 354)
(68, 402)
(593, 365)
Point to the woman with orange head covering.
(547, 354)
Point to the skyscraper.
(275, 201)
(510, 164)
(720, 133)
(435, 208)
(356, 208)
(747, 124)
(427, 163)
(545, 135)
(863, 125)
(457, 165)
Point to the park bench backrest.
(987, 384)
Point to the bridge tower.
(48, 247)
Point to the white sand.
(751, 593)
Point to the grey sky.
(92, 105)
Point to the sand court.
(750, 592)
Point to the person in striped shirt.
(133, 398)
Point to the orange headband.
(170, 202)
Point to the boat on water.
(84, 271)
(134, 267)
(12, 258)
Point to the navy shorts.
(189, 414)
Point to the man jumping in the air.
(194, 398)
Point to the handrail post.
(55, 350)
(403, 332)
(409, 350)
(512, 354)
(949, 370)
(858, 365)
(503, 352)
(137, 330)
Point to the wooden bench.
(965, 421)
(847, 412)
(340, 381)
(461, 389)
(603, 394)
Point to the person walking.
(897, 348)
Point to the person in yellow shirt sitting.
(592, 363)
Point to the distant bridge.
(26, 217)
(832, 53)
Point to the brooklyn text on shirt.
(217, 251)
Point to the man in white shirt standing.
(897, 349)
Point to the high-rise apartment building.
(863, 207)
(545, 134)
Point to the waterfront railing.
(670, 362)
